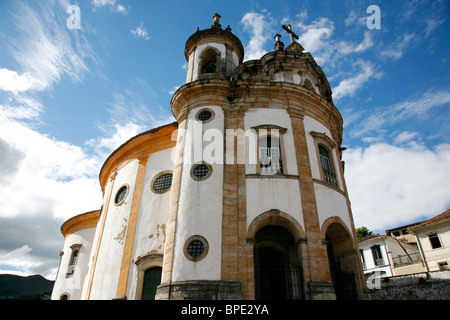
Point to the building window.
(201, 171)
(443, 265)
(377, 257)
(209, 61)
(64, 296)
(73, 259)
(327, 168)
(205, 115)
(162, 182)
(121, 195)
(270, 160)
(434, 240)
(196, 248)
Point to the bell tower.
(213, 53)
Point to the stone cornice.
(297, 100)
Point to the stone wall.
(420, 286)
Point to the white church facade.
(243, 197)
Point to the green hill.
(35, 287)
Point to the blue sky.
(69, 97)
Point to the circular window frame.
(210, 170)
(189, 241)
(126, 185)
(156, 177)
(213, 114)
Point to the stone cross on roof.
(288, 28)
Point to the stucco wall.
(72, 285)
(200, 208)
(107, 269)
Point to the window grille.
(200, 171)
(204, 115)
(195, 248)
(121, 194)
(270, 160)
(163, 182)
(327, 168)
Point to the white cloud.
(114, 137)
(349, 86)
(416, 107)
(50, 176)
(396, 50)
(141, 32)
(316, 35)
(19, 258)
(346, 47)
(44, 51)
(102, 3)
(12, 81)
(260, 28)
(121, 9)
(391, 186)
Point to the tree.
(362, 232)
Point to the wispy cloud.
(416, 107)
(396, 49)
(349, 86)
(141, 32)
(259, 25)
(347, 47)
(44, 50)
(103, 3)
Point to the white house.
(433, 238)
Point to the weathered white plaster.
(107, 269)
(153, 213)
(264, 194)
(72, 284)
(200, 208)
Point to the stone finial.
(279, 46)
(216, 21)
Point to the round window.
(121, 195)
(205, 115)
(162, 183)
(201, 171)
(196, 248)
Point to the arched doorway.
(152, 279)
(342, 261)
(278, 273)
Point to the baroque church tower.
(243, 197)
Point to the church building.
(243, 197)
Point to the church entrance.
(278, 274)
(341, 257)
(152, 279)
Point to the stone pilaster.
(315, 258)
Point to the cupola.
(213, 53)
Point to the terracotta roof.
(439, 218)
(372, 236)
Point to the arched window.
(209, 61)
(327, 168)
(73, 259)
(308, 84)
